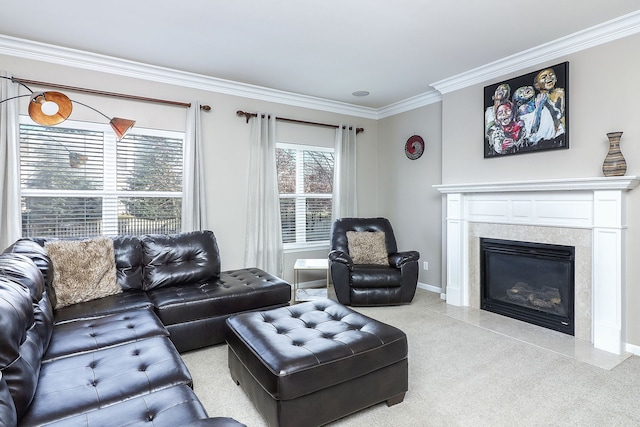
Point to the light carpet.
(462, 373)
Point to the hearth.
(532, 282)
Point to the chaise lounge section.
(114, 360)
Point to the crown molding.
(614, 29)
(28, 49)
(426, 98)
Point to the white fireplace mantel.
(586, 184)
(596, 204)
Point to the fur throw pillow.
(83, 270)
(367, 247)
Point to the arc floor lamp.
(49, 108)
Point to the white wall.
(226, 140)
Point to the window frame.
(109, 194)
(300, 197)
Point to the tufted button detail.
(326, 350)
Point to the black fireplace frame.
(529, 315)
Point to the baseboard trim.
(632, 348)
(430, 288)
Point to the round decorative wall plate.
(414, 147)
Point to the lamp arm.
(14, 97)
(91, 108)
(14, 81)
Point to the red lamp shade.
(121, 126)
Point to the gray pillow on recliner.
(367, 247)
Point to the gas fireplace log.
(520, 292)
(545, 297)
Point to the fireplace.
(532, 282)
(588, 213)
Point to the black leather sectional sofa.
(114, 361)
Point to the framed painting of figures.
(527, 113)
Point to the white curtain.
(263, 246)
(345, 201)
(10, 217)
(194, 203)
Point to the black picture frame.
(527, 113)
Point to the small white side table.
(308, 264)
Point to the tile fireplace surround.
(587, 213)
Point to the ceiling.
(323, 48)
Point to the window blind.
(78, 181)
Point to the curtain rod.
(104, 93)
(247, 116)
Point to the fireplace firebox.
(532, 282)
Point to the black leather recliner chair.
(371, 284)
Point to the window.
(77, 181)
(305, 184)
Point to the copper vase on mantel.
(614, 164)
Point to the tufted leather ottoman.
(312, 363)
